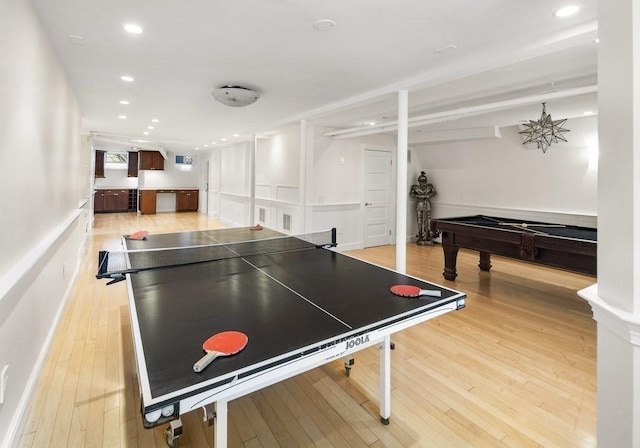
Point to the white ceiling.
(340, 79)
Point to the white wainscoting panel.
(288, 193)
(234, 209)
(264, 191)
(346, 218)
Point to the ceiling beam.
(462, 112)
(453, 135)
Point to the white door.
(378, 197)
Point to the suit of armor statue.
(423, 192)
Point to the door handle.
(367, 204)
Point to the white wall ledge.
(624, 324)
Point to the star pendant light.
(544, 131)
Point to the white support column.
(303, 176)
(252, 175)
(401, 182)
(615, 299)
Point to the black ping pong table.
(300, 309)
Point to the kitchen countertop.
(167, 189)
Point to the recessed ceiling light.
(205, 145)
(125, 102)
(567, 11)
(446, 49)
(596, 40)
(122, 117)
(145, 133)
(127, 78)
(324, 24)
(236, 135)
(150, 127)
(76, 40)
(197, 148)
(155, 120)
(223, 139)
(213, 143)
(133, 28)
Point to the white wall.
(277, 180)
(43, 214)
(172, 176)
(116, 178)
(498, 176)
(278, 162)
(335, 185)
(336, 172)
(235, 190)
(333, 189)
(504, 178)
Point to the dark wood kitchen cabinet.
(147, 202)
(113, 200)
(187, 200)
(151, 160)
(132, 168)
(99, 164)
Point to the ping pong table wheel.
(173, 433)
(348, 362)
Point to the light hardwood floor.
(515, 368)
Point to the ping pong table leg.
(220, 437)
(385, 380)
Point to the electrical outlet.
(4, 377)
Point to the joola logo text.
(357, 341)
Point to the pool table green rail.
(567, 247)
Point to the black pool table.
(566, 247)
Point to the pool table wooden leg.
(450, 258)
(485, 261)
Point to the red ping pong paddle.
(139, 235)
(414, 291)
(221, 344)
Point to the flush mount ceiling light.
(235, 96)
(544, 131)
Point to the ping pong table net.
(115, 265)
